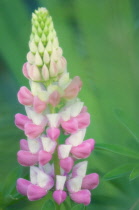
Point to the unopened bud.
(38, 60)
(40, 47)
(34, 73)
(53, 69)
(32, 46)
(45, 73)
(30, 58)
(46, 57)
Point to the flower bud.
(45, 73)
(38, 60)
(30, 58)
(59, 196)
(34, 73)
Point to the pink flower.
(21, 120)
(74, 87)
(25, 97)
(39, 106)
(53, 111)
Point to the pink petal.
(90, 181)
(32, 131)
(84, 109)
(79, 169)
(24, 96)
(82, 196)
(64, 151)
(73, 88)
(35, 192)
(26, 158)
(70, 126)
(81, 151)
(25, 70)
(71, 91)
(83, 120)
(22, 186)
(24, 145)
(21, 120)
(39, 106)
(54, 98)
(67, 164)
(59, 196)
(77, 81)
(48, 144)
(53, 133)
(91, 142)
(44, 157)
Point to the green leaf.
(124, 121)
(119, 171)
(10, 181)
(118, 149)
(134, 174)
(49, 204)
(78, 207)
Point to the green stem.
(56, 169)
(56, 161)
(57, 206)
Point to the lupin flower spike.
(52, 108)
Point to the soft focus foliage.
(100, 42)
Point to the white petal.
(77, 138)
(49, 169)
(33, 174)
(48, 144)
(54, 120)
(52, 88)
(80, 169)
(76, 108)
(74, 184)
(64, 150)
(65, 115)
(44, 180)
(41, 179)
(34, 145)
(35, 87)
(35, 117)
(64, 81)
(43, 95)
(60, 182)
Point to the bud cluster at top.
(52, 109)
(45, 60)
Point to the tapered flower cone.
(53, 108)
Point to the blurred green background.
(100, 40)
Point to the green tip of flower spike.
(45, 55)
(42, 27)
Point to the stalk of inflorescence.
(53, 109)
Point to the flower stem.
(56, 169)
(56, 161)
(57, 206)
